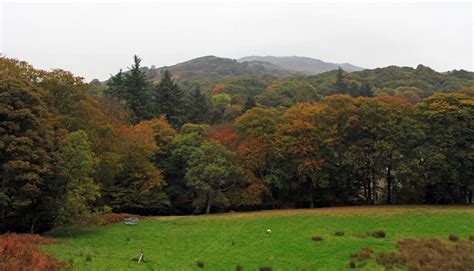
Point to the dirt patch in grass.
(110, 218)
(429, 254)
(360, 258)
(317, 238)
(453, 237)
(21, 252)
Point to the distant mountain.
(300, 64)
(218, 67)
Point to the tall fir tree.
(365, 90)
(169, 100)
(198, 107)
(135, 90)
(341, 84)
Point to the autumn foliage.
(22, 252)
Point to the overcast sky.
(94, 40)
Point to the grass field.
(223, 241)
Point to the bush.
(361, 234)
(363, 254)
(378, 234)
(429, 254)
(200, 264)
(317, 238)
(339, 233)
(389, 259)
(360, 258)
(453, 237)
(265, 268)
(21, 252)
(239, 268)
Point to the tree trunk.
(365, 191)
(389, 184)
(369, 191)
(209, 202)
(33, 224)
(311, 201)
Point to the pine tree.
(198, 107)
(366, 90)
(117, 86)
(138, 92)
(340, 85)
(169, 100)
(135, 90)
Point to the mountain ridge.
(302, 64)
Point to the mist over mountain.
(301, 64)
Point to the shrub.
(360, 258)
(239, 268)
(453, 237)
(21, 252)
(317, 238)
(200, 264)
(378, 234)
(265, 268)
(88, 258)
(389, 259)
(361, 234)
(429, 254)
(471, 237)
(339, 233)
(363, 254)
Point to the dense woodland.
(163, 141)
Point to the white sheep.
(269, 231)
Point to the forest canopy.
(229, 138)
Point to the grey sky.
(94, 40)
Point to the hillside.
(222, 242)
(304, 65)
(214, 68)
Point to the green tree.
(211, 173)
(249, 104)
(220, 103)
(79, 166)
(447, 155)
(340, 85)
(365, 90)
(27, 191)
(169, 100)
(198, 107)
(134, 88)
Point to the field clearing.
(223, 241)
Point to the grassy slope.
(176, 243)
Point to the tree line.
(159, 148)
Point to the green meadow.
(224, 241)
